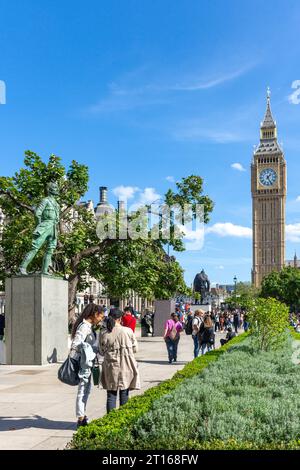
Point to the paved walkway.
(37, 411)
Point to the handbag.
(96, 373)
(173, 333)
(68, 372)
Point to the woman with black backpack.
(206, 334)
(196, 324)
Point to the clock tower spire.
(268, 129)
(268, 187)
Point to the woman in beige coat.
(119, 370)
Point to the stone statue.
(202, 285)
(46, 231)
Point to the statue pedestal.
(36, 320)
(163, 310)
(205, 307)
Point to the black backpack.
(189, 325)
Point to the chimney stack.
(121, 206)
(103, 194)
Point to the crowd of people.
(295, 321)
(202, 326)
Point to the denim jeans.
(112, 398)
(204, 346)
(196, 345)
(246, 326)
(84, 389)
(172, 346)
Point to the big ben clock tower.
(268, 187)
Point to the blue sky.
(145, 90)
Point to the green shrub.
(294, 334)
(247, 399)
(268, 322)
(113, 431)
(233, 444)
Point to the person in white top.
(82, 332)
(196, 327)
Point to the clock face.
(268, 177)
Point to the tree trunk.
(73, 283)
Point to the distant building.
(228, 288)
(295, 263)
(103, 207)
(218, 295)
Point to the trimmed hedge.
(112, 432)
(233, 444)
(247, 399)
(294, 333)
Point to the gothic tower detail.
(268, 187)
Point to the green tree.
(268, 322)
(122, 265)
(283, 286)
(245, 293)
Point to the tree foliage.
(283, 286)
(245, 293)
(121, 265)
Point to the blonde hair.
(207, 321)
(199, 312)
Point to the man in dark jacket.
(230, 334)
(236, 320)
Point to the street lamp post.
(235, 281)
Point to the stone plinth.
(36, 320)
(205, 307)
(163, 310)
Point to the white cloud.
(294, 98)
(171, 179)
(298, 199)
(193, 239)
(185, 85)
(195, 132)
(148, 196)
(134, 89)
(238, 166)
(292, 232)
(122, 102)
(220, 267)
(2, 92)
(205, 84)
(228, 229)
(125, 192)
